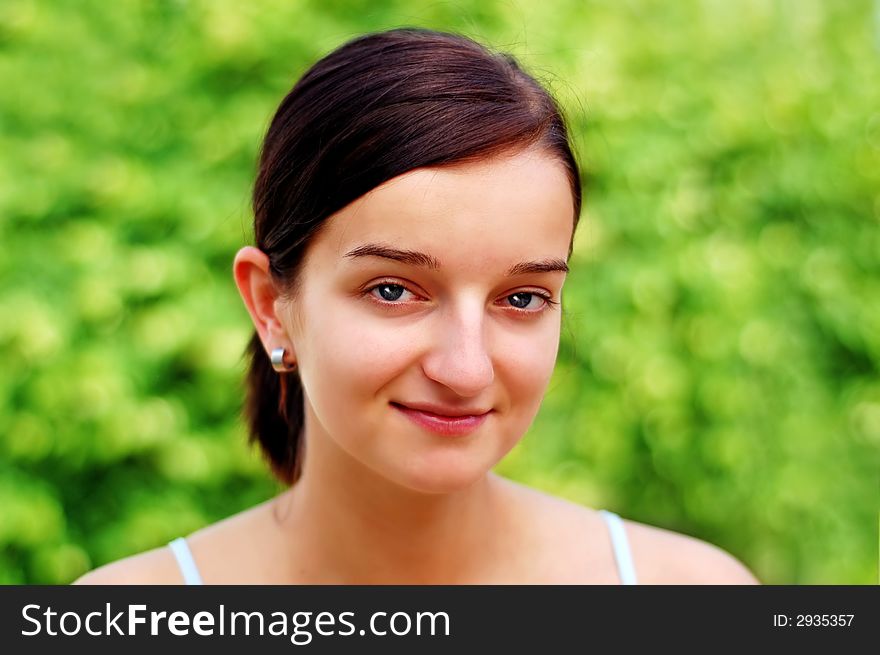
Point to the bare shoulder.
(665, 557)
(659, 556)
(222, 551)
(156, 566)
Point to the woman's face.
(452, 315)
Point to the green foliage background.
(718, 370)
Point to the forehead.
(485, 213)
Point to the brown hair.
(374, 108)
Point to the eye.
(388, 292)
(522, 302)
(529, 301)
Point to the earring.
(278, 364)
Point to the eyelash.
(549, 303)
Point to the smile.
(448, 426)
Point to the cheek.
(353, 354)
(525, 361)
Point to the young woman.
(414, 214)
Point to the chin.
(441, 480)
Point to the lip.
(449, 426)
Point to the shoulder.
(659, 556)
(157, 566)
(665, 557)
(223, 552)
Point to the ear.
(251, 271)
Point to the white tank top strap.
(185, 561)
(625, 567)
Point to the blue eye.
(523, 299)
(390, 292)
(523, 302)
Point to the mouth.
(450, 426)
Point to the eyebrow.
(423, 260)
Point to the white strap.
(620, 544)
(185, 561)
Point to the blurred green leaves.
(718, 370)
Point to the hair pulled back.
(374, 108)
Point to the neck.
(344, 523)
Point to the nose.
(459, 357)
